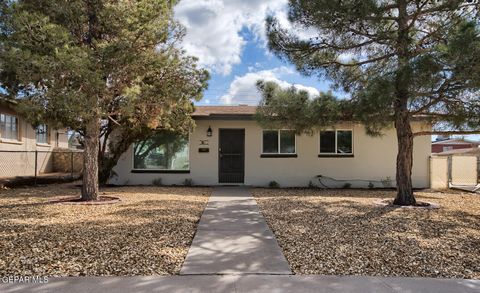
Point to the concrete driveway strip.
(234, 238)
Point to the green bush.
(387, 182)
(188, 182)
(157, 182)
(371, 185)
(347, 185)
(273, 184)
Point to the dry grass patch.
(343, 232)
(147, 233)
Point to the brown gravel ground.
(342, 232)
(147, 233)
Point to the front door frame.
(220, 158)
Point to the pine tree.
(111, 70)
(395, 60)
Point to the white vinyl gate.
(455, 171)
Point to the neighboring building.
(461, 152)
(19, 141)
(453, 144)
(229, 147)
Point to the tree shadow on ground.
(341, 233)
(144, 234)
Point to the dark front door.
(231, 154)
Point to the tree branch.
(452, 132)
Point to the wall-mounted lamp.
(209, 131)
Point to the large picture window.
(163, 151)
(278, 142)
(42, 134)
(336, 142)
(8, 127)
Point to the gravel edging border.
(424, 205)
(102, 200)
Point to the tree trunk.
(402, 115)
(90, 160)
(107, 161)
(404, 161)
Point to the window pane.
(42, 133)
(163, 151)
(344, 142)
(8, 127)
(270, 141)
(287, 141)
(14, 128)
(2, 126)
(327, 142)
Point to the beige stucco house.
(19, 140)
(229, 147)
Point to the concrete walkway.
(246, 283)
(233, 238)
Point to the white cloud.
(214, 26)
(243, 88)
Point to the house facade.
(19, 140)
(453, 144)
(229, 147)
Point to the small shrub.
(387, 182)
(188, 182)
(311, 185)
(273, 184)
(347, 185)
(157, 182)
(371, 185)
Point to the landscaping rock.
(147, 233)
(344, 232)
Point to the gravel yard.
(342, 232)
(147, 233)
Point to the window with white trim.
(278, 142)
(42, 134)
(8, 127)
(163, 151)
(336, 142)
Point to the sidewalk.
(233, 238)
(246, 283)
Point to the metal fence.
(35, 164)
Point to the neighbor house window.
(447, 148)
(278, 142)
(336, 142)
(163, 151)
(42, 133)
(8, 127)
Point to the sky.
(228, 37)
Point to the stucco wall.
(374, 159)
(17, 157)
(64, 160)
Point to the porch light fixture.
(209, 131)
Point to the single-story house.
(19, 140)
(461, 152)
(453, 144)
(229, 147)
